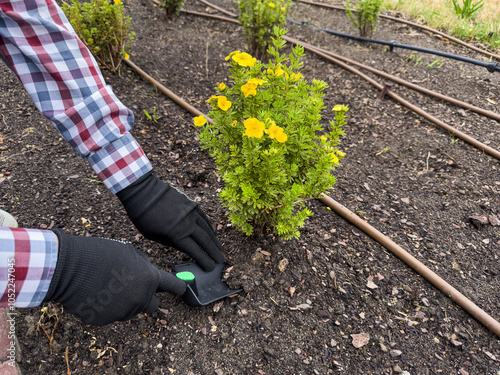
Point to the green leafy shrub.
(258, 18)
(104, 28)
(468, 8)
(172, 7)
(367, 16)
(269, 146)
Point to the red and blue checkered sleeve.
(62, 77)
(28, 258)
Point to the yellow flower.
(334, 157)
(273, 130)
(276, 132)
(222, 86)
(232, 54)
(340, 154)
(339, 108)
(118, 1)
(323, 138)
(272, 5)
(213, 97)
(126, 56)
(271, 122)
(281, 137)
(234, 123)
(244, 59)
(223, 103)
(200, 120)
(270, 71)
(283, 8)
(249, 89)
(279, 71)
(254, 128)
(257, 81)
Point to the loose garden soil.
(340, 303)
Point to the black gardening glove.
(165, 215)
(102, 281)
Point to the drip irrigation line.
(166, 91)
(419, 111)
(423, 27)
(491, 67)
(393, 78)
(403, 82)
(415, 264)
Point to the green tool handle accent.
(185, 276)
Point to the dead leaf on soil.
(360, 339)
(283, 264)
(406, 200)
(490, 355)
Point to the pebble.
(397, 369)
(395, 353)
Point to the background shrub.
(104, 28)
(366, 17)
(258, 18)
(172, 7)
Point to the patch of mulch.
(340, 303)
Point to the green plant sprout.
(258, 18)
(104, 29)
(382, 151)
(468, 8)
(152, 117)
(267, 141)
(367, 15)
(432, 65)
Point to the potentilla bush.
(258, 18)
(172, 7)
(269, 146)
(367, 15)
(104, 28)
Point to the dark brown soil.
(408, 178)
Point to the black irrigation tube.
(491, 67)
(489, 150)
(348, 215)
(423, 27)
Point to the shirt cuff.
(120, 163)
(28, 258)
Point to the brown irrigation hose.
(404, 102)
(423, 27)
(414, 263)
(410, 85)
(166, 91)
(419, 267)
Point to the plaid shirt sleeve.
(59, 73)
(28, 258)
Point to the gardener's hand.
(165, 215)
(102, 281)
